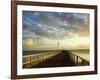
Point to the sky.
(44, 30)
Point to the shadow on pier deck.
(60, 60)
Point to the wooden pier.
(59, 58)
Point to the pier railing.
(32, 60)
(78, 60)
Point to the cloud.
(53, 25)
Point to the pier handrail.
(37, 58)
(84, 61)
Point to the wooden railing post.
(30, 60)
(82, 62)
(76, 59)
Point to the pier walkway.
(61, 58)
